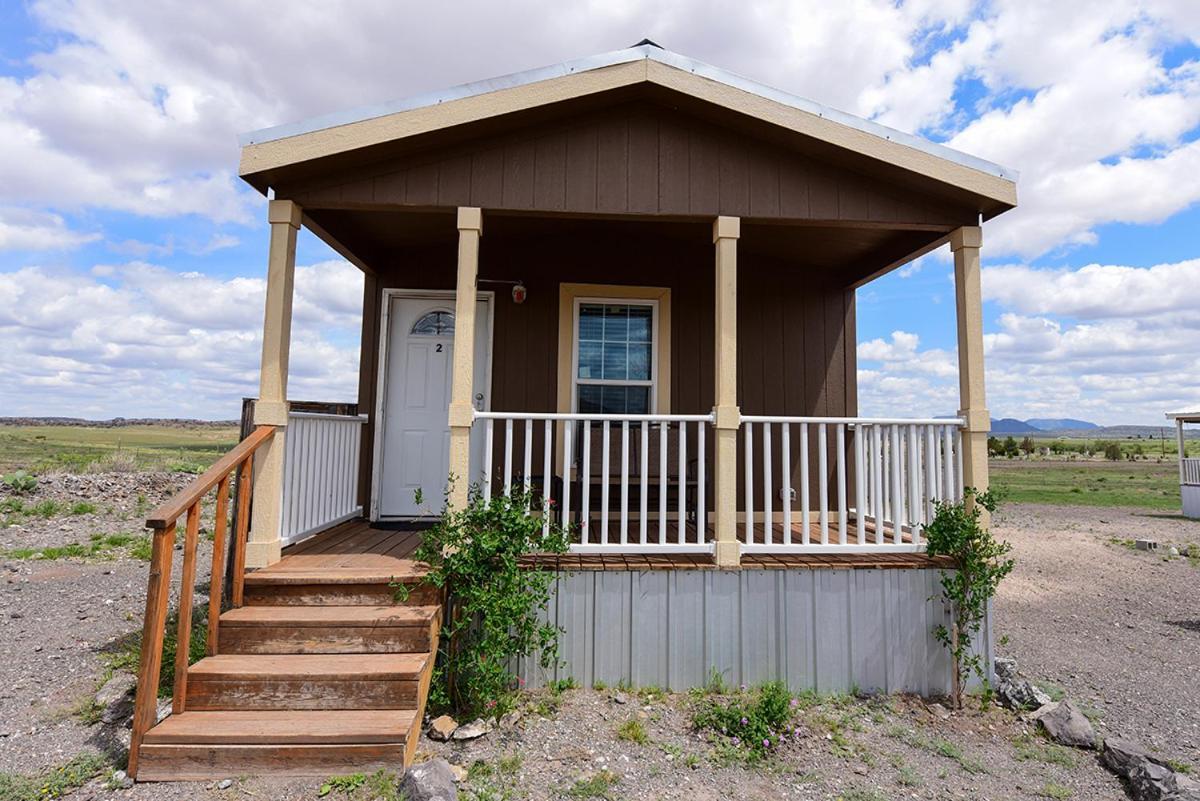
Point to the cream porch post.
(462, 412)
(965, 243)
(264, 543)
(726, 231)
(1181, 445)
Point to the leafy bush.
(492, 601)
(957, 531)
(754, 722)
(20, 482)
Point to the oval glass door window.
(434, 324)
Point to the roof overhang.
(270, 150)
(1184, 417)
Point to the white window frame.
(654, 346)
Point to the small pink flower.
(735, 741)
(766, 743)
(520, 681)
(744, 721)
(795, 703)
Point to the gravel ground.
(1115, 628)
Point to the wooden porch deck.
(356, 550)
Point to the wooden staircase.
(320, 672)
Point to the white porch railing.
(320, 472)
(620, 482)
(863, 484)
(1190, 472)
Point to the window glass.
(434, 324)
(614, 372)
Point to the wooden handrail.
(164, 520)
(172, 510)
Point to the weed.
(20, 482)
(716, 682)
(127, 654)
(907, 777)
(599, 686)
(89, 711)
(558, 686)
(597, 785)
(1056, 791)
(692, 761)
(55, 782)
(46, 509)
(1177, 766)
(342, 784)
(1035, 749)
(82, 508)
(753, 722)
(861, 794)
(943, 748)
(99, 546)
(1053, 690)
(634, 731)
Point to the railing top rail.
(877, 421)
(612, 418)
(349, 418)
(171, 510)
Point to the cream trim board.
(569, 296)
(385, 310)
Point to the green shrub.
(492, 601)
(20, 482)
(980, 564)
(753, 722)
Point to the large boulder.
(1020, 694)
(429, 781)
(1122, 756)
(1066, 725)
(1147, 778)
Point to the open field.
(1143, 484)
(141, 447)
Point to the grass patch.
(99, 546)
(1149, 485)
(53, 783)
(1057, 791)
(941, 747)
(126, 654)
(1035, 749)
(83, 448)
(342, 784)
(597, 785)
(861, 794)
(487, 781)
(633, 731)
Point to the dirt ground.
(1114, 628)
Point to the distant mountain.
(1009, 425)
(1059, 424)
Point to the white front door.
(415, 435)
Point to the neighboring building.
(1189, 469)
(628, 284)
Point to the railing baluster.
(528, 465)
(701, 478)
(662, 483)
(785, 446)
(958, 461)
(914, 484)
(805, 479)
(217, 576)
(768, 479)
(860, 488)
(489, 454)
(682, 499)
(585, 459)
(930, 489)
(605, 476)
(568, 440)
(508, 456)
(749, 490)
(245, 488)
(843, 513)
(897, 485)
(547, 458)
(823, 481)
(948, 472)
(624, 482)
(643, 500)
(877, 481)
(187, 589)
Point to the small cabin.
(1189, 468)
(625, 285)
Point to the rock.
(224, 784)
(460, 773)
(116, 697)
(1146, 545)
(510, 719)
(120, 779)
(619, 698)
(473, 730)
(429, 781)
(1006, 669)
(1020, 694)
(938, 711)
(1172, 551)
(442, 728)
(1066, 725)
(1122, 756)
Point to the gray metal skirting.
(829, 630)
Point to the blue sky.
(131, 257)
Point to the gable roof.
(272, 149)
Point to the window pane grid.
(613, 374)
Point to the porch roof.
(363, 135)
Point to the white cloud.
(25, 229)
(163, 343)
(1096, 290)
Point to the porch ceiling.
(375, 239)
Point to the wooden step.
(338, 587)
(328, 629)
(308, 681)
(284, 727)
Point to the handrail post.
(158, 596)
(245, 488)
(187, 591)
(220, 530)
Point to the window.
(615, 368)
(434, 324)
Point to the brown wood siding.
(795, 335)
(635, 158)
